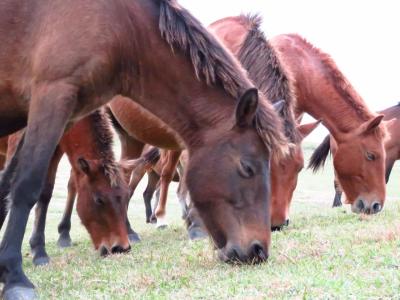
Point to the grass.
(325, 253)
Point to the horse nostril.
(360, 205)
(103, 251)
(119, 249)
(287, 222)
(376, 207)
(276, 228)
(258, 252)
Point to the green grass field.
(325, 253)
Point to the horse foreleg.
(51, 107)
(37, 240)
(64, 238)
(138, 172)
(195, 226)
(167, 174)
(7, 176)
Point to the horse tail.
(320, 154)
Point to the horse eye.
(370, 156)
(99, 201)
(246, 169)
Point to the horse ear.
(247, 108)
(371, 124)
(306, 129)
(84, 165)
(279, 105)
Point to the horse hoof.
(19, 293)
(41, 261)
(64, 242)
(161, 223)
(197, 234)
(134, 237)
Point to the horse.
(121, 47)
(244, 37)
(99, 182)
(392, 147)
(324, 93)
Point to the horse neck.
(341, 109)
(174, 93)
(198, 112)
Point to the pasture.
(324, 253)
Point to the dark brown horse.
(244, 37)
(102, 191)
(324, 92)
(392, 146)
(77, 55)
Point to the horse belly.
(144, 126)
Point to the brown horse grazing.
(102, 191)
(242, 35)
(121, 47)
(323, 92)
(392, 146)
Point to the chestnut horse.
(102, 190)
(324, 93)
(392, 146)
(121, 47)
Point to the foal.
(102, 190)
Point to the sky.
(363, 37)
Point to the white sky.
(363, 37)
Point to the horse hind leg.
(64, 227)
(43, 133)
(167, 174)
(37, 240)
